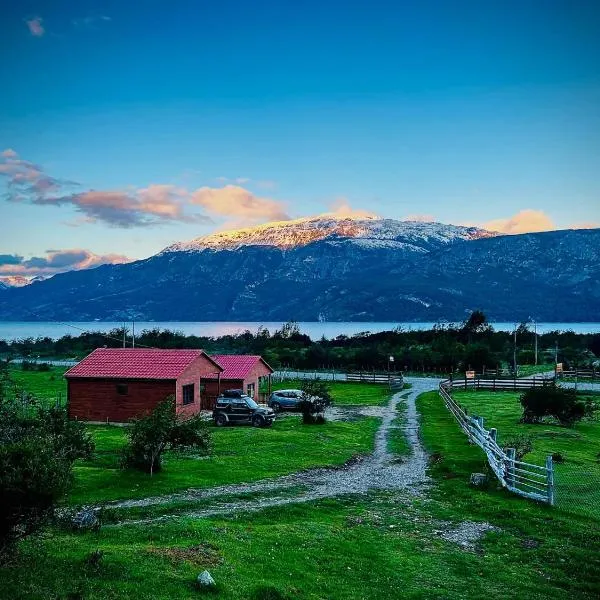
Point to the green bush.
(550, 401)
(316, 397)
(162, 429)
(37, 449)
(522, 444)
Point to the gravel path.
(380, 470)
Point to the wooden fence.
(522, 478)
(390, 379)
(589, 374)
(499, 384)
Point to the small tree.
(550, 401)
(522, 445)
(315, 399)
(162, 429)
(38, 447)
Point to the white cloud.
(525, 221)
(240, 206)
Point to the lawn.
(531, 370)
(376, 546)
(348, 394)
(241, 454)
(45, 385)
(381, 545)
(577, 479)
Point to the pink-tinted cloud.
(55, 261)
(144, 207)
(240, 206)
(525, 221)
(585, 225)
(341, 208)
(155, 204)
(35, 26)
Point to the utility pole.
(536, 346)
(515, 352)
(133, 334)
(124, 335)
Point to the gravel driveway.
(380, 470)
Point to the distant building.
(240, 372)
(116, 384)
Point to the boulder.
(479, 479)
(205, 580)
(86, 518)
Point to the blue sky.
(143, 123)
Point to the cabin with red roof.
(114, 385)
(240, 372)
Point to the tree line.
(473, 344)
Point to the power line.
(100, 333)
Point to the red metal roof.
(237, 366)
(136, 363)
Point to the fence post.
(511, 454)
(550, 475)
(493, 434)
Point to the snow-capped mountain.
(334, 269)
(8, 281)
(366, 231)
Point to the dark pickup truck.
(235, 408)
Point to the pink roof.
(238, 366)
(136, 363)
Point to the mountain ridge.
(300, 232)
(552, 276)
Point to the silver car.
(285, 400)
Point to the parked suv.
(234, 408)
(285, 400)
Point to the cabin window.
(122, 389)
(251, 390)
(188, 393)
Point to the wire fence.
(520, 477)
(570, 483)
(577, 488)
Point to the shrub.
(521, 443)
(37, 449)
(562, 404)
(162, 429)
(315, 399)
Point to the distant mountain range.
(335, 269)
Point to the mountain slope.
(378, 270)
(365, 231)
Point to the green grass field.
(241, 454)
(45, 385)
(348, 394)
(531, 370)
(380, 545)
(376, 546)
(577, 479)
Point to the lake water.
(19, 330)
